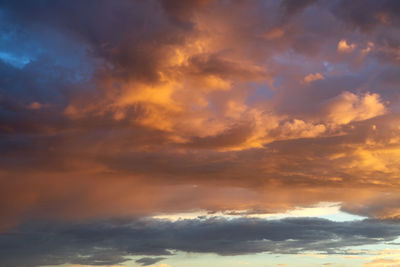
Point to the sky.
(171, 133)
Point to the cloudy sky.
(175, 133)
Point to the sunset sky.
(199, 133)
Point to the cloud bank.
(111, 242)
(132, 108)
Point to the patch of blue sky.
(14, 49)
(292, 58)
(260, 92)
(374, 248)
(17, 61)
(328, 211)
(17, 47)
(341, 216)
(22, 46)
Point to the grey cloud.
(294, 6)
(364, 14)
(110, 242)
(149, 261)
(217, 65)
(231, 137)
(129, 38)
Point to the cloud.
(366, 15)
(291, 7)
(149, 261)
(299, 129)
(313, 77)
(344, 47)
(171, 106)
(348, 107)
(109, 242)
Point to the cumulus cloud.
(345, 47)
(313, 77)
(348, 107)
(300, 129)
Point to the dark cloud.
(292, 6)
(366, 15)
(181, 11)
(216, 65)
(109, 242)
(231, 137)
(149, 261)
(130, 37)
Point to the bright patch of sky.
(14, 60)
(19, 47)
(182, 259)
(325, 210)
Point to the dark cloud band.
(109, 242)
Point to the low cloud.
(149, 261)
(111, 242)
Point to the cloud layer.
(137, 108)
(110, 242)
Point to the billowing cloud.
(348, 107)
(344, 47)
(313, 77)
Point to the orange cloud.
(344, 47)
(198, 105)
(348, 107)
(313, 77)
